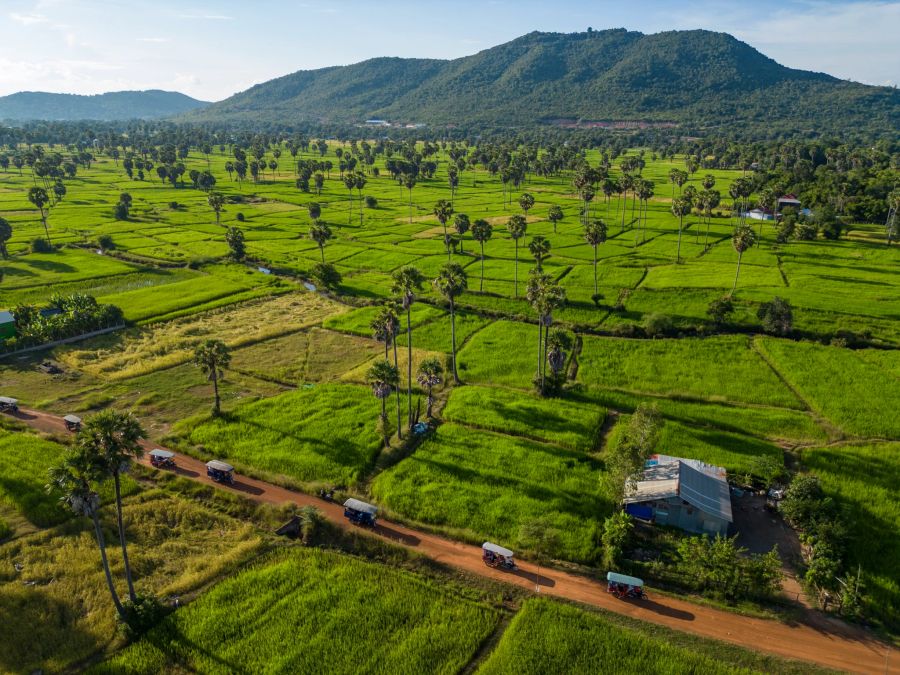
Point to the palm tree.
(482, 230)
(114, 439)
(216, 201)
(708, 182)
(558, 341)
(320, 233)
(627, 183)
(526, 201)
(539, 247)
(385, 327)
(350, 183)
(38, 196)
(442, 211)
(544, 296)
(742, 239)
(767, 199)
(407, 281)
(382, 377)
(315, 211)
(318, 181)
(409, 182)
(72, 478)
(594, 235)
(461, 225)
(429, 375)
(680, 208)
(451, 282)
(554, 215)
(359, 182)
(517, 226)
(212, 357)
(6, 233)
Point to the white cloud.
(27, 19)
(153, 39)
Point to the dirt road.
(819, 639)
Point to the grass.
(854, 393)
(568, 423)
(324, 433)
(323, 610)
(57, 611)
(482, 485)
(24, 460)
(714, 369)
(865, 480)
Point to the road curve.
(817, 639)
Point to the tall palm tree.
(212, 357)
(517, 226)
(407, 281)
(359, 182)
(382, 377)
(482, 231)
(742, 239)
(544, 296)
(710, 201)
(680, 208)
(554, 215)
(6, 233)
(39, 197)
(442, 211)
(315, 211)
(409, 182)
(627, 183)
(72, 478)
(451, 282)
(461, 224)
(386, 328)
(320, 233)
(216, 201)
(526, 201)
(594, 235)
(114, 439)
(349, 182)
(429, 375)
(539, 247)
(767, 199)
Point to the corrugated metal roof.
(360, 506)
(707, 493)
(7, 317)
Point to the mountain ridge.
(109, 106)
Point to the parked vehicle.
(73, 422)
(162, 459)
(8, 404)
(624, 586)
(497, 557)
(360, 513)
(327, 495)
(220, 472)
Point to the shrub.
(41, 245)
(777, 317)
(105, 242)
(325, 275)
(140, 616)
(240, 217)
(371, 202)
(174, 206)
(657, 325)
(596, 298)
(121, 211)
(719, 310)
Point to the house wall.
(677, 512)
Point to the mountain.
(694, 77)
(116, 105)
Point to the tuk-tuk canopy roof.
(8, 401)
(617, 578)
(164, 454)
(499, 550)
(360, 506)
(74, 419)
(219, 466)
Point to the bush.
(141, 616)
(121, 211)
(832, 230)
(777, 317)
(174, 206)
(41, 245)
(240, 217)
(325, 275)
(657, 325)
(371, 202)
(719, 310)
(596, 298)
(105, 242)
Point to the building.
(7, 325)
(788, 200)
(760, 214)
(686, 493)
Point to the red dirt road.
(817, 639)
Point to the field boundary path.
(816, 638)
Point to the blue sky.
(211, 49)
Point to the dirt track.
(817, 639)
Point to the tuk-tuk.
(496, 556)
(73, 422)
(624, 586)
(360, 513)
(162, 459)
(220, 471)
(8, 404)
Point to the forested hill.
(691, 77)
(117, 105)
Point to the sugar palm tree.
(73, 479)
(526, 201)
(554, 215)
(482, 231)
(594, 235)
(409, 182)
(742, 239)
(315, 211)
(539, 247)
(320, 233)
(39, 197)
(349, 183)
(767, 199)
(544, 296)
(451, 282)
(6, 233)
(113, 438)
(461, 224)
(383, 377)
(216, 201)
(386, 328)
(680, 208)
(516, 226)
(407, 281)
(212, 357)
(442, 211)
(429, 376)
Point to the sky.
(211, 49)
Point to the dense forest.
(115, 105)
